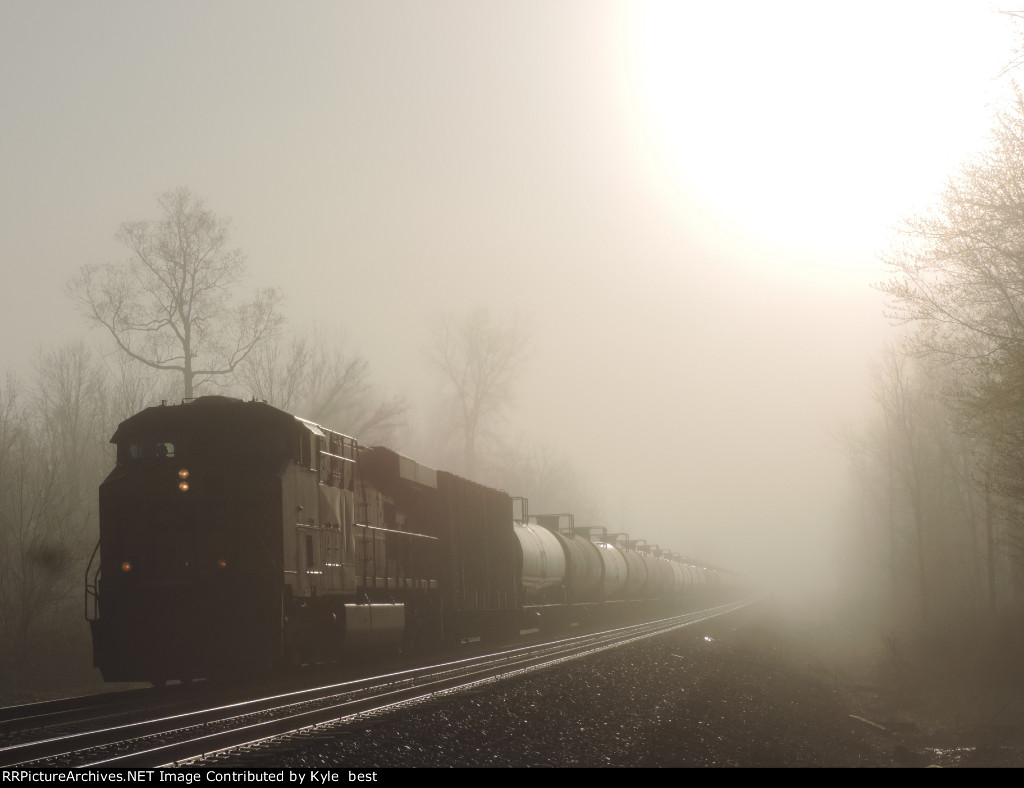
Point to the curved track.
(173, 739)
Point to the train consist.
(235, 536)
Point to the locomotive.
(237, 537)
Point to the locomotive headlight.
(126, 566)
(221, 563)
(183, 473)
(183, 486)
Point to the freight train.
(237, 537)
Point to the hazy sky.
(686, 199)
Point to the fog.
(685, 205)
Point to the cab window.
(145, 449)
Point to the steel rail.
(192, 734)
(70, 710)
(601, 642)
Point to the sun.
(807, 130)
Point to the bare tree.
(904, 408)
(53, 454)
(1017, 58)
(958, 277)
(478, 361)
(132, 387)
(549, 480)
(169, 306)
(321, 380)
(929, 515)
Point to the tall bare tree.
(549, 480)
(170, 305)
(53, 454)
(904, 409)
(478, 362)
(319, 379)
(958, 278)
(921, 478)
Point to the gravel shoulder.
(739, 691)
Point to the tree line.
(940, 472)
(177, 325)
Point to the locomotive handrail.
(394, 531)
(336, 456)
(92, 589)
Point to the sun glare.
(810, 128)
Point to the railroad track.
(186, 737)
(24, 719)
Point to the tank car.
(562, 571)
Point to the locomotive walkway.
(90, 736)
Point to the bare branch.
(315, 376)
(478, 362)
(169, 305)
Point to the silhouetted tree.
(478, 362)
(548, 479)
(320, 380)
(959, 279)
(922, 482)
(169, 306)
(53, 454)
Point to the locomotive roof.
(201, 412)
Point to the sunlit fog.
(679, 207)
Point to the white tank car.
(636, 579)
(584, 571)
(543, 564)
(616, 571)
(660, 577)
